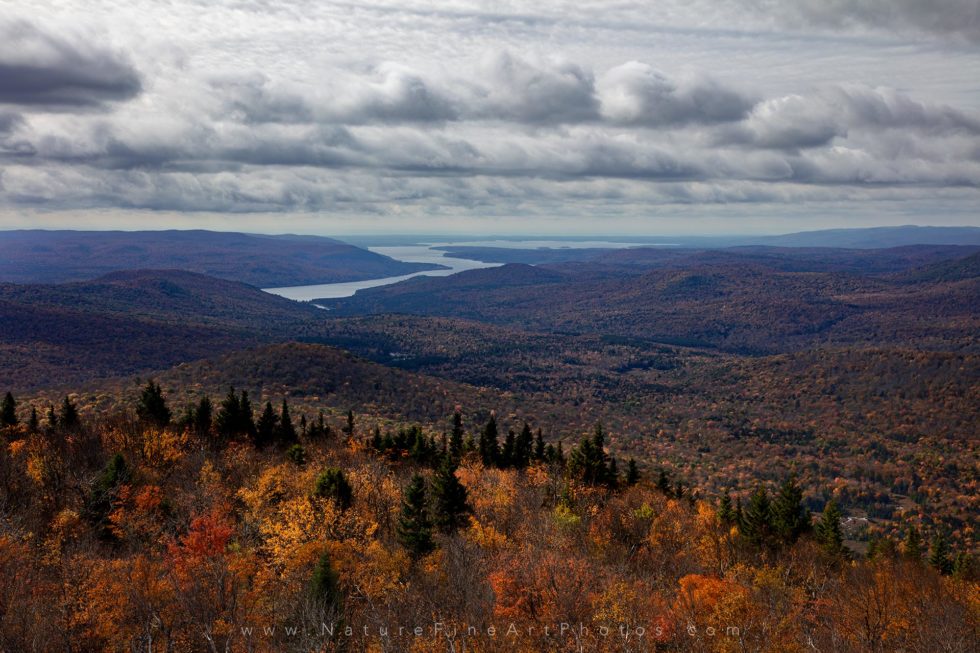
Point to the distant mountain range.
(37, 256)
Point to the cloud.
(955, 18)
(637, 94)
(817, 119)
(41, 68)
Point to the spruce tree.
(757, 519)
(32, 423)
(632, 472)
(297, 454)
(456, 436)
(539, 448)
(828, 529)
(663, 483)
(68, 416)
(726, 512)
(152, 406)
(203, 417)
(790, 518)
(913, 543)
(450, 509)
(349, 427)
(285, 433)
(940, 555)
(414, 525)
(228, 420)
(523, 447)
(324, 583)
(333, 485)
(8, 411)
(265, 428)
(246, 422)
(52, 418)
(508, 450)
(963, 566)
(489, 447)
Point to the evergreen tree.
(203, 417)
(8, 411)
(790, 518)
(285, 433)
(265, 428)
(489, 447)
(377, 442)
(319, 429)
(68, 416)
(324, 585)
(523, 447)
(246, 422)
(414, 525)
(228, 420)
(32, 423)
(963, 566)
(940, 554)
(756, 523)
(297, 454)
(632, 472)
(612, 476)
(450, 509)
(456, 436)
(349, 427)
(52, 418)
(726, 513)
(589, 462)
(663, 483)
(913, 543)
(539, 449)
(828, 529)
(98, 504)
(152, 406)
(332, 484)
(508, 450)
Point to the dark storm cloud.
(40, 68)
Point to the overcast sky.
(682, 116)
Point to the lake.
(426, 253)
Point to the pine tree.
(963, 566)
(8, 411)
(228, 420)
(246, 422)
(414, 525)
(539, 449)
(68, 416)
(632, 473)
(663, 483)
(756, 523)
(456, 436)
(828, 529)
(508, 450)
(523, 447)
(450, 509)
(790, 518)
(939, 555)
(726, 513)
(297, 454)
(349, 427)
(265, 428)
(489, 447)
(32, 423)
(52, 418)
(285, 433)
(589, 461)
(332, 484)
(324, 583)
(913, 543)
(203, 417)
(319, 428)
(152, 406)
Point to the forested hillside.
(242, 527)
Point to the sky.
(510, 117)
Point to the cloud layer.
(238, 108)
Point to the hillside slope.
(36, 256)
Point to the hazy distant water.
(425, 253)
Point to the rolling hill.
(36, 256)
